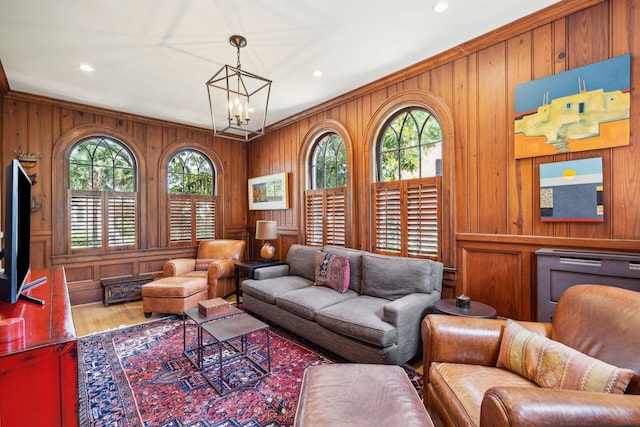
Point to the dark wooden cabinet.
(39, 372)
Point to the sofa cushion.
(359, 318)
(394, 277)
(463, 397)
(332, 271)
(267, 290)
(552, 364)
(301, 260)
(307, 301)
(355, 263)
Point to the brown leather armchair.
(220, 270)
(465, 388)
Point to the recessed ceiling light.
(440, 7)
(86, 67)
(317, 73)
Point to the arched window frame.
(102, 214)
(417, 98)
(192, 212)
(326, 212)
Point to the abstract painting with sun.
(572, 191)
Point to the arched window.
(329, 163)
(408, 191)
(102, 195)
(325, 200)
(192, 202)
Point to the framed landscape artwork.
(269, 192)
(586, 108)
(572, 191)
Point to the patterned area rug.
(138, 376)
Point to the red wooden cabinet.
(39, 372)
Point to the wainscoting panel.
(495, 277)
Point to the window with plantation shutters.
(325, 201)
(102, 198)
(192, 200)
(325, 217)
(407, 196)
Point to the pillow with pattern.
(332, 271)
(552, 364)
(202, 264)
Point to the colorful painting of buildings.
(583, 109)
(572, 191)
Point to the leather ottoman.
(173, 294)
(359, 395)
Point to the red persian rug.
(138, 376)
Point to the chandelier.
(238, 100)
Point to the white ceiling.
(153, 57)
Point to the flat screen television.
(17, 236)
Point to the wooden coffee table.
(241, 370)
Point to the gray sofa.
(377, 320)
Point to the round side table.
(477, 309)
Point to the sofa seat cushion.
(267, 290)
(359, 318)
(308, 301)
(462, 387)
(196, 273)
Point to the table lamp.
(266, 230)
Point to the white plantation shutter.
(314, 217)
(102, 219)
(205, 218)
(121, 219)
(191, 218)
(335, 216)
(180, 219)
(387, 226)
(325, 214)
(422, 217)
(86, 219)
(409, 209)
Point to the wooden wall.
(46, 126)
(493, 226)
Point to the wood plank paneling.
(493, 194)
(494, 198)
(50, 127)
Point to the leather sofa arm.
(525, 407)
(219, 269)
(460, 340)
(179, 266)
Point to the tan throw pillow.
(202, 264)
(552, 364)
(332, 271)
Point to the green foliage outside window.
(190, 173)
(329, 163)
(410, 146)
(101, 164)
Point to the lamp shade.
(266, 230)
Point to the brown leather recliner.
(219, 272)
(465, 388)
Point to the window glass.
(102, 198)
(192, 201)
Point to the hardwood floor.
(95, 317)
